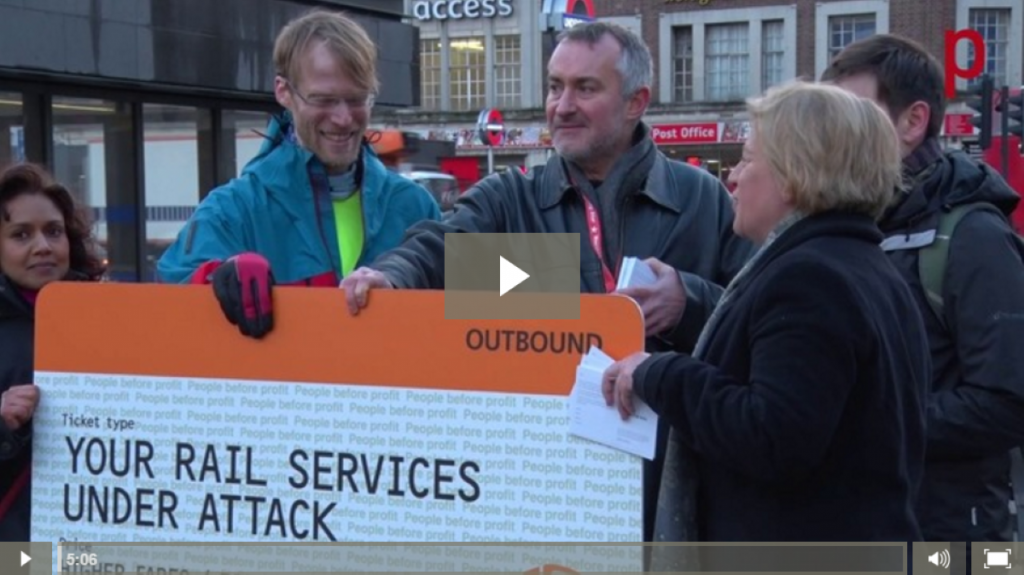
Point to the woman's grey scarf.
(676, 516)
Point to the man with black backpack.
(948, 232)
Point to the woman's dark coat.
(806, 412)
(16, 345)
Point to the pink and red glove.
(243, 285)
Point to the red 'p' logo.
(953, 69)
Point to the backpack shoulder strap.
(932, 258)
(1017, 481)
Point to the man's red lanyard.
(597, 242)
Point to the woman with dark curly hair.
(43, 239)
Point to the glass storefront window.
(93, 155)
(12, 128)
(171, 161)
(245, 128)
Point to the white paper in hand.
(597, 359)
(590, 418)
(635, 273)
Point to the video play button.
(24, 558)
(509, 276)
(537, 276)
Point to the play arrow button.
(24, 559)
(509, 276)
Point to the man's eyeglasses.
(330, 102)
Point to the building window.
(467, 71)
(430, 74)
(773, 50)
(724, 55)
(94, 156)
(12, 128)
(994, 27)
(726, 61)
(171, 171)
(999, 23)
(682, 64)
(245, 128)
(839, 23)
(507, 67)
(847, 29)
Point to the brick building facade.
(708, 54)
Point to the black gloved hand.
(242, 286)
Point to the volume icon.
(940, 558)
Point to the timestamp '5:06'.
(88, 559)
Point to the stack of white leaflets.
(635, 272)
(591, 418)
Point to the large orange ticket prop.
(160, 422)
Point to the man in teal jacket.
(316, 202)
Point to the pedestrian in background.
(973, 305)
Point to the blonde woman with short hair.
(799, 415)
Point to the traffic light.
(1013, 107)
(981, 100)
